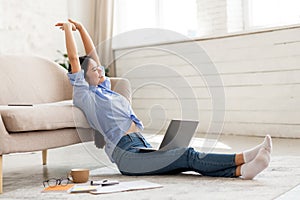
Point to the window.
(134, 14)
(194, 18)
(175, 15)
(270, 13)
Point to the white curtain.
(103, 30)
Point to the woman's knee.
(192, 153)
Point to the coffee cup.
(79, 175)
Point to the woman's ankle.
(239, 159)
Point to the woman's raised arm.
(71, 45)
(87, 41)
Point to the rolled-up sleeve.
(106, 83)
(80, 89)
(77, 79)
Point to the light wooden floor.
(25, 172)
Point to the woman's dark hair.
(84, 63)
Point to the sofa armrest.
(3, 136)
(121, 86)
(3, 130)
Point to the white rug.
(282, 175)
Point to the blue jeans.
(132, 161)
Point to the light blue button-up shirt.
(106, 111)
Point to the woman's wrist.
(67, 26)
(79, 27)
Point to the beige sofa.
(50, 120)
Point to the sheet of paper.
(82, 188)
(126, 186)
(141, 185)
(110, 189)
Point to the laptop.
(178, 134)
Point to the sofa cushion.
(46, 116)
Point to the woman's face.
(94, 74)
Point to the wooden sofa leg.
(44, 155)
(1, 176)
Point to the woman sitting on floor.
(112, 115)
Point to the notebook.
(178, 134)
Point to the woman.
(112, 115)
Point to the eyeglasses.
(54, 182)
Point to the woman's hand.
(78, 25)
(63, 25)
(67, 27)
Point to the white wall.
(260, 72)
(27, 26)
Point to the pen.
(105, 182)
